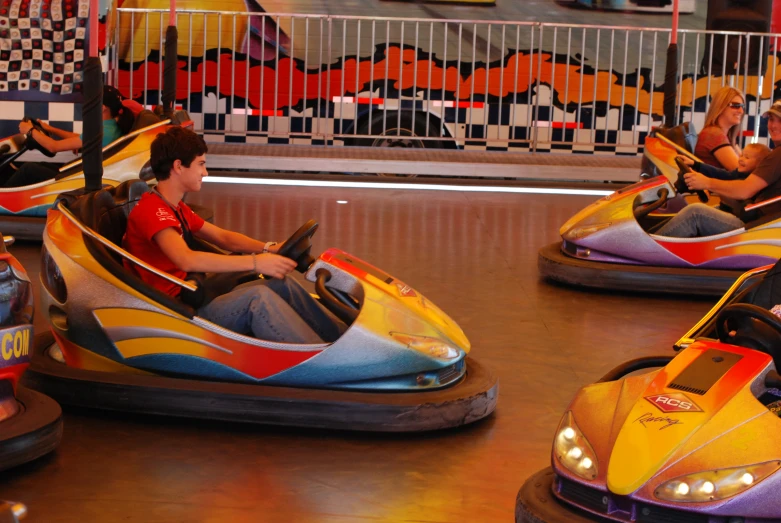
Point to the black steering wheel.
(31, 143)
(644, 210)
(297, 247)
(755, 328)
(680, 183)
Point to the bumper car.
(118, 344)
(11, 512)
(23, 209)
(611, 243)
(30, 423)
(694, 441)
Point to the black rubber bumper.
(472, 399)
(536, 503)
(553, 264)
(23, 227)
(33, 432)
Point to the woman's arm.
(60, 133)
(50, 144)
(727, 157)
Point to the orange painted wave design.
(409, 70)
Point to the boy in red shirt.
(277, 309)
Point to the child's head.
(177, 143)
(753, 153)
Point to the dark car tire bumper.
(470, 400)
(553, 264)
(32, 433)
(536, 503)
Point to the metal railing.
(412, 82)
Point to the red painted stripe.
(567, 125)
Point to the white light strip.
(404, 186)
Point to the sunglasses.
(735, 105)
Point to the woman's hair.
(112, 99)
(177, 143)
(718, 104)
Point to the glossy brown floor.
(473, 254)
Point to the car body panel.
(639, 446)
(108, 325)
(607, 231)
(124, 164)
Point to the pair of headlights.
(573, 452)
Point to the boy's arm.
(230, 240)
(173, 245)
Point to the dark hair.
(177, 143)
(112, 99)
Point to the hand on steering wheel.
(753, 327)
(31, 143)
(297, 247)
(680, 183)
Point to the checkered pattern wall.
(42, 45)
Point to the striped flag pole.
(170, 62)
(671, 72)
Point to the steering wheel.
(755, 328)
(336, 301)
(680, 183)
(644, 210)
(297, 247)
(31, 143)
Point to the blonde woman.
(717, 142)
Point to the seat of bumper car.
(106, 212)
(765, 293)
(144, 118)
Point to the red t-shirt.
(150, 216)
(710, 140)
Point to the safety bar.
(687, 339)
(763, 203)
(122, 252)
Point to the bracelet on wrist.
(268, 245)
(254, 262)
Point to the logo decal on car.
(673, 402)
(15, 345)
(406, 291)
(665, 420)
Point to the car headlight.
(431, 347)
(713, 485)
(577, 233)
(573, 450)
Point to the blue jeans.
(274, 310)
(699, 219)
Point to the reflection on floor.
(472, 254)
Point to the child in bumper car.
(763, 183)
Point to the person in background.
(117, 121)
(751, 156)
(717, 142)
(764, 183)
